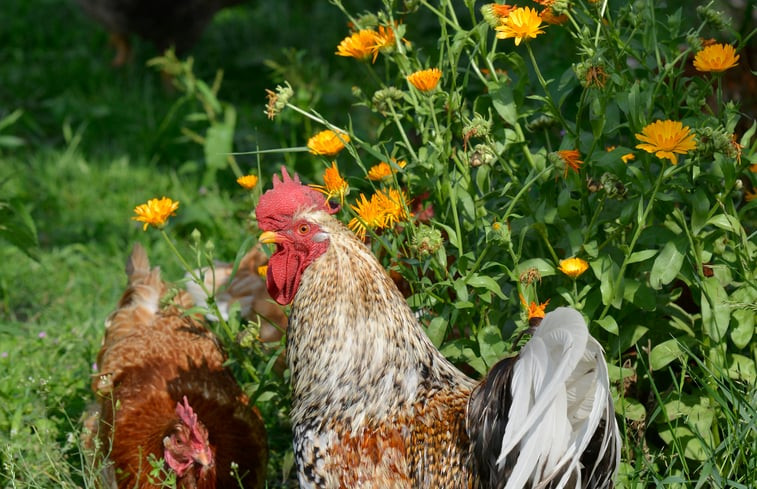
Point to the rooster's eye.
(303, 228)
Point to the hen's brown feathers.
(152, 356)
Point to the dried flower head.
(573, 267)
(359, 45)
(278, 100)
(522, 23)
(248, 181)
(333, 184)
(155, 212)
(716, 58)
(328, 142)
(425, 80)
(666, 138)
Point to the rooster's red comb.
(287, 196)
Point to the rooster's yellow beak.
(269, 237)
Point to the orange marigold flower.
(384, 170)
(333, 184)
(425, 80)
(155, 212)
(534, 309)
(665, 139)
(359, 45)
(248, 181)
(716, 58)
(570, 157)
(522, 23)
(628, 157)
(328, 142)
(750, 195)
(573, 267)
(548, 16)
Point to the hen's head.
(186, 447)
(298, 241)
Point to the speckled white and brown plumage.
(375, 404)
(163, 391)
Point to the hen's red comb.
(185, 413)
(287, 196)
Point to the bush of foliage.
(582, 153)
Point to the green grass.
(92, 142)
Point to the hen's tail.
(545, 418)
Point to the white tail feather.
(560, 393)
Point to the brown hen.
(163, 392)
(376, 405)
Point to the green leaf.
(693, 447)
(488, 283)
(716, 313)
(743, 316)
(504, 102)
(606, 270)
(741, 368)
(668, 263)
(437, 330)
(664, 353)
(641, 255)
(608, 324)
(491, 344)
(630, 409)
(725, 222)
(700, 208)
(17, 227)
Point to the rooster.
(164, 392)
(376, 405)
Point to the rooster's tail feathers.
(546, 419)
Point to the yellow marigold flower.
(248, 181)
(665, 138)
(333, 184)
(394, 205)
(384, 170)
(263, 270)
(369, 215)
(534, 309)
(425, 80)
(155, 212)
(628, 157)
(573, 267)
(380, 171)
(384, 39)
(359, 45)
(716, 58)
(522, 23)
(328, 142)
(570, 157)
(385, 209)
